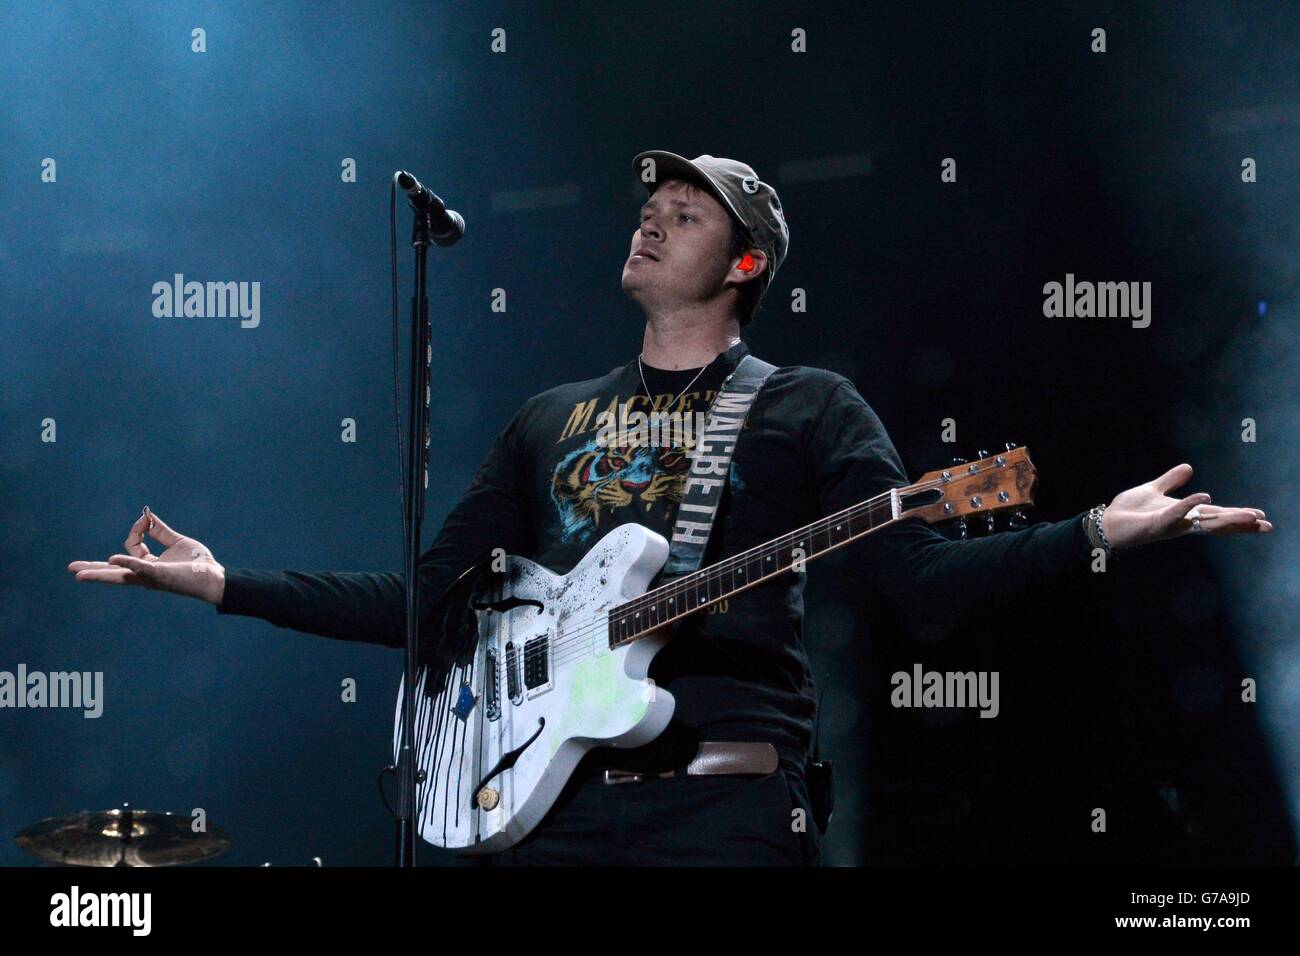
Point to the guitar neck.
(993, 483)
(698, 590)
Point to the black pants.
(680, 821)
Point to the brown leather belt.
(713, 757)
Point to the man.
(711, 236)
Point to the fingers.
(119, 569)
(1221, 521)
(76, 566)
(1180, 508)
(1208, 510)
(1175, 477)
(134, 542)
(110, 575)
(142, 571)
(1236, 521)
(161, 532)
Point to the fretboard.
(694, 592)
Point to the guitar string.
(577, 641)
(590, 627)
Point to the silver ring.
(1195, 515)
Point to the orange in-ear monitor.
(747, 263)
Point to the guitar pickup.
(537, 665)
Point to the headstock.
(992, 484)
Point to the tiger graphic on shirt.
(595, 482)
(594, 485)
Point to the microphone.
(447, 226)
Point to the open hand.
(1146, 514)
(186, 567)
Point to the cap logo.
(749, 184)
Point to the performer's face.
(679, 253)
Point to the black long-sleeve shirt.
(548, 490)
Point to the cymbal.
(124, 837)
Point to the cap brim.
(671, 166)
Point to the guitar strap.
(710, 465)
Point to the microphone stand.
(417, 469)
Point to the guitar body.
(546, 688)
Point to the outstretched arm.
(348, 605)
(1146, 514)
(370, 606)
(937, 581)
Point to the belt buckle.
(622, 776)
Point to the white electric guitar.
(560, 661)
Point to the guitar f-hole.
(507, 604)
(505, 763)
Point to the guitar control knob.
(489, 798)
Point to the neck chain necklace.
(641, 369)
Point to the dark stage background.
(227, 165)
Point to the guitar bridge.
(513, 689)
(492, 682)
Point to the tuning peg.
(1019, 520)
(991, 523)
(961, 526)
(982, 453)
(958, 461)
(1010, 445)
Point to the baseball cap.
(750, 201)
